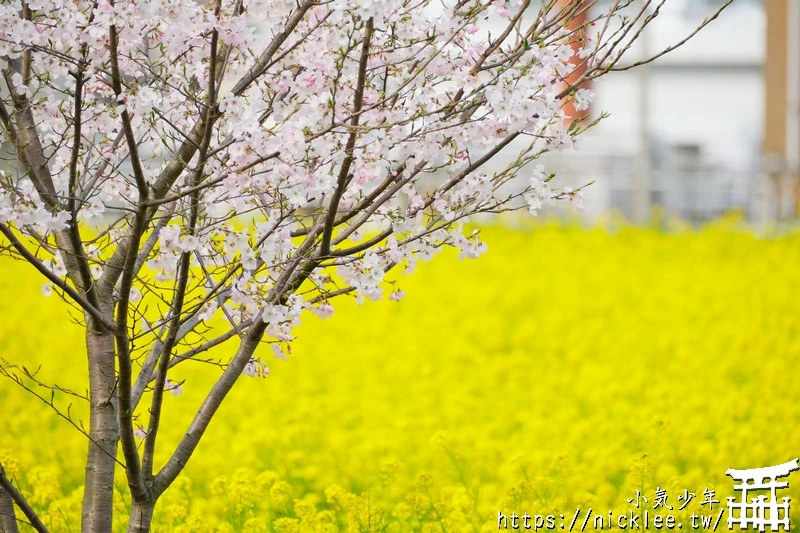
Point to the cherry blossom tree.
(177, 164)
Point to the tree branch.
(183, 269)
(55, 280)
(262, 63)
(21, 502)
(358, 99)
(73, 229)
(290, 280)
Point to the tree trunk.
(8, 520)
(99, 489)
(141, 517)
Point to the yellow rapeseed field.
(566, 369)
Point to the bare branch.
(21, 502)
(55, 280)
(677, 45)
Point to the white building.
(688, 127)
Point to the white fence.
(691, 190)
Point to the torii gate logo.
(760, 512)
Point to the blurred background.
(706, 129)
